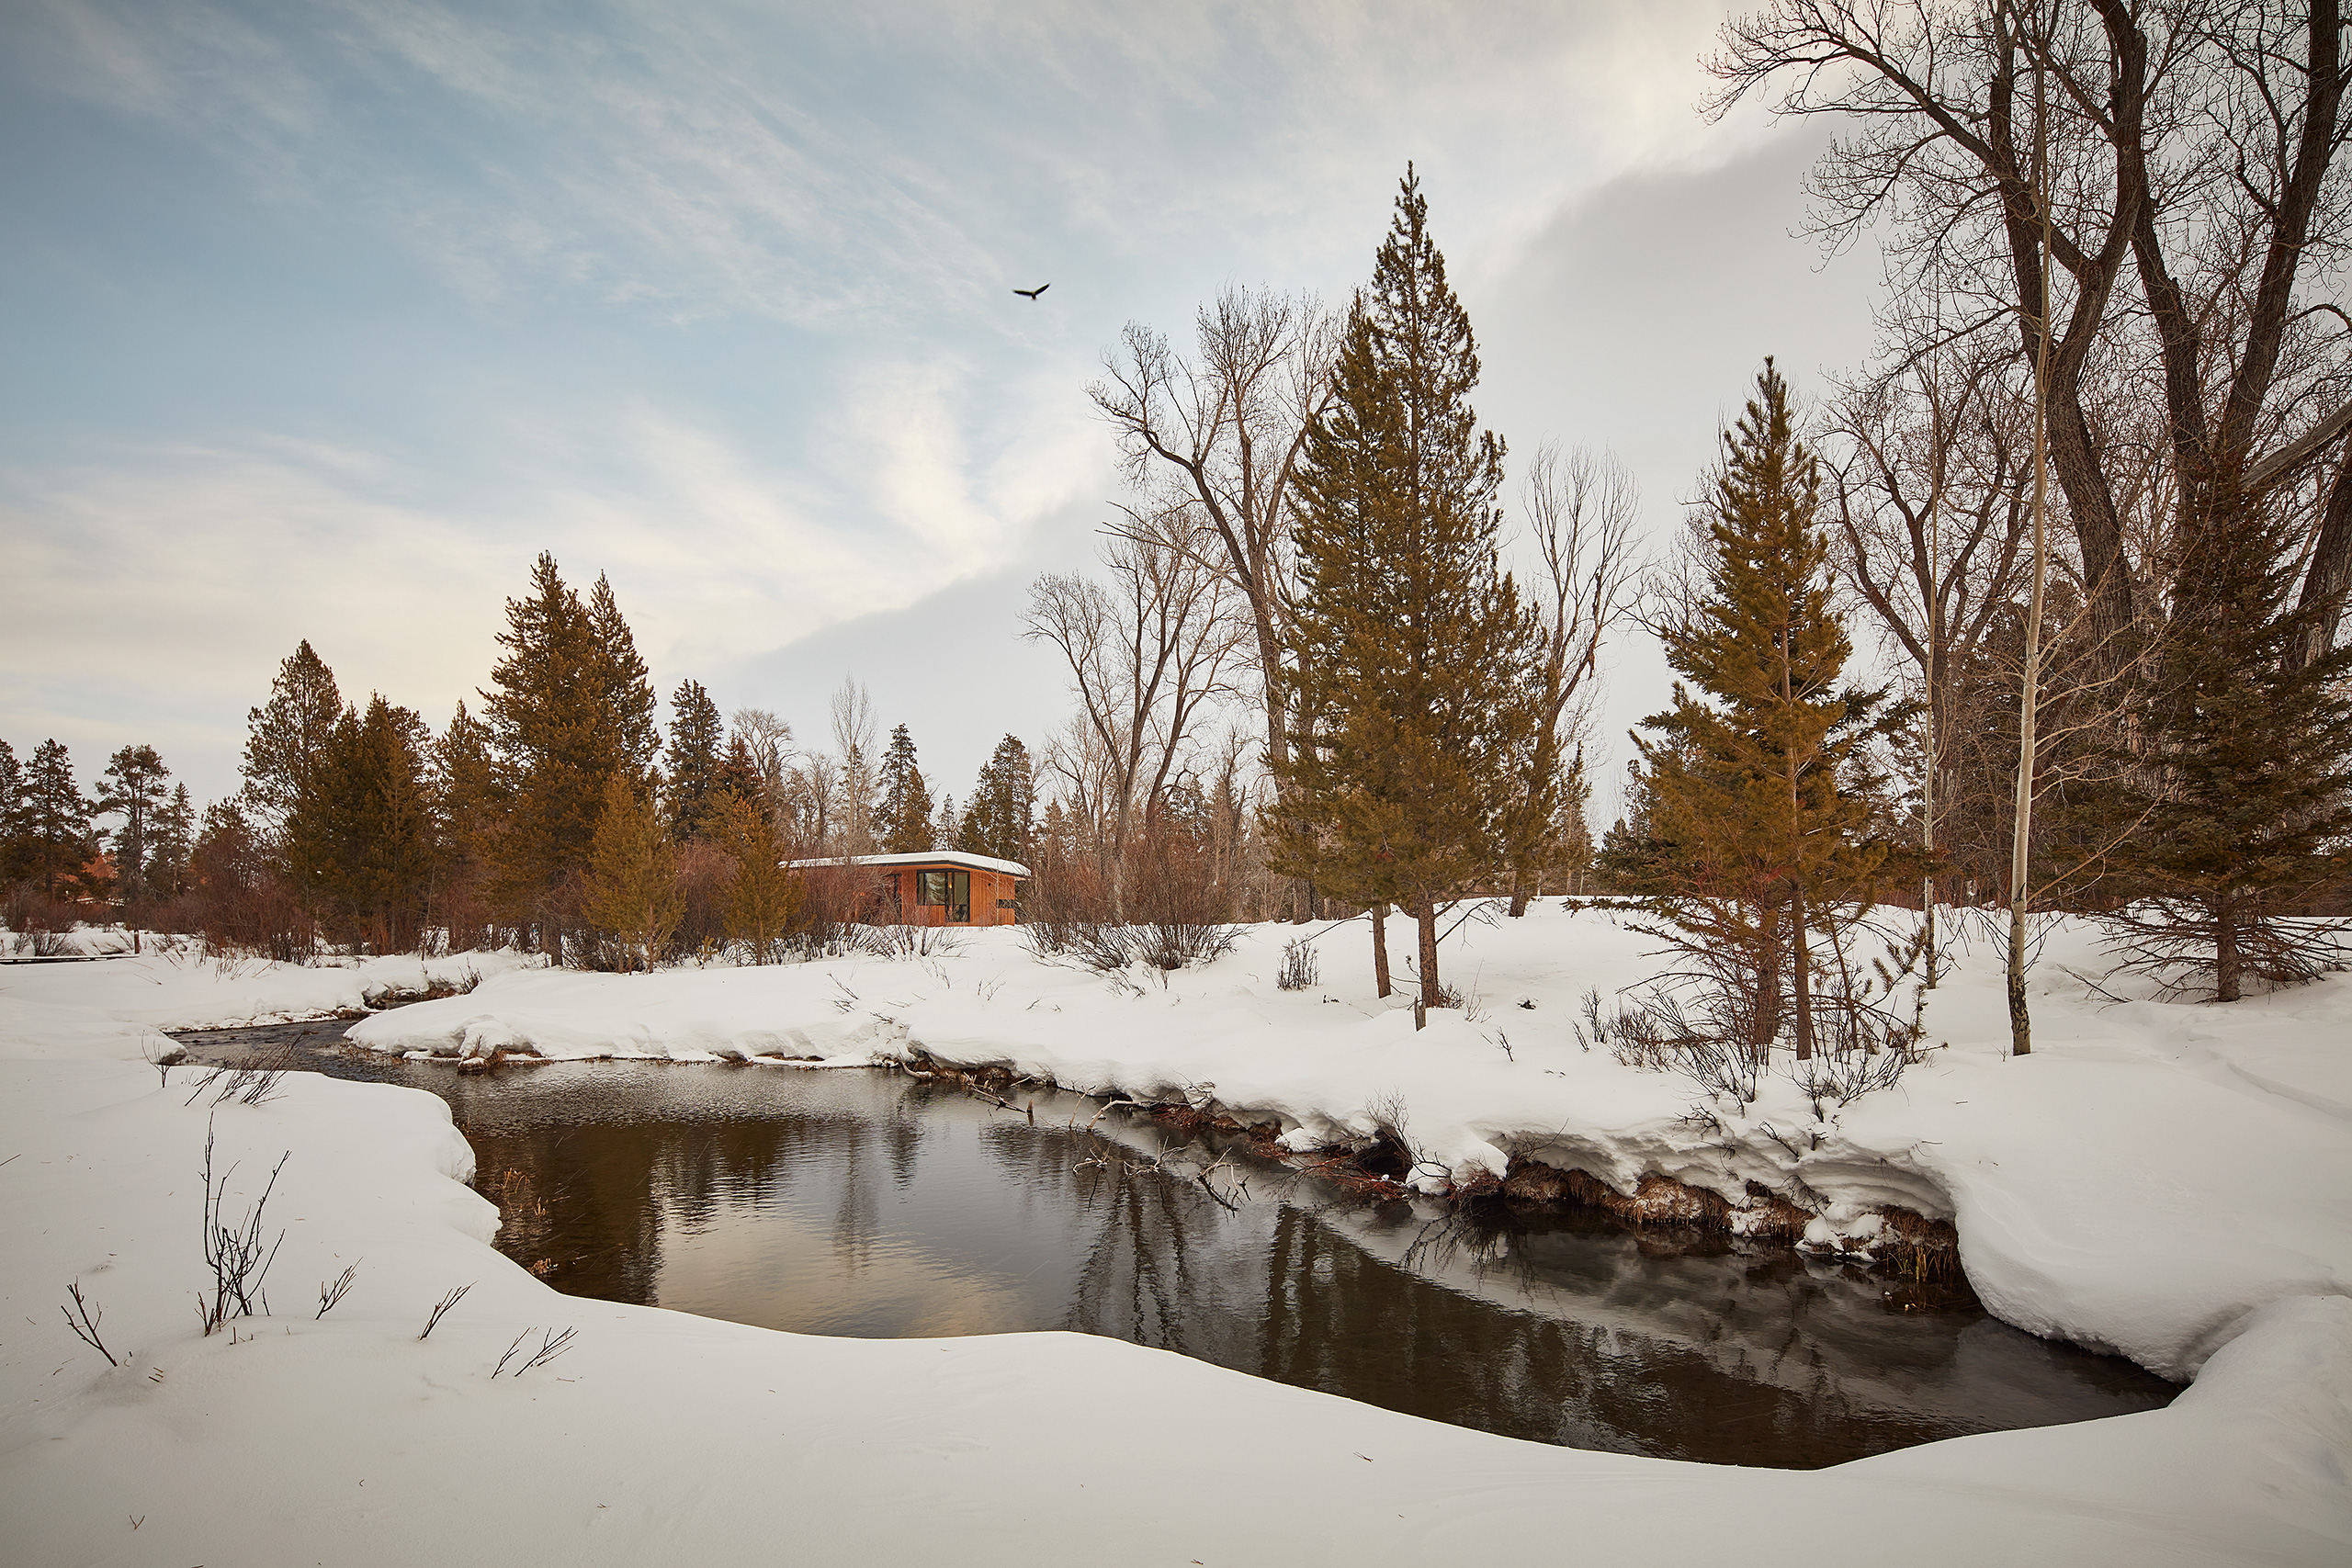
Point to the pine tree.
(739, 773)
(906, 821)
(1411, 673)
(170, 843)
(691, 762)
(56, 816)
(463, 789)
(12, 815)
(946, 825)
(631, 890)
(286, 737)
(763, 896)
(1758, 782)
(2238, 803)
(133, 790)
(572, 710)
(360, 846)
(999, 816)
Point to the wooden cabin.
(941, 888)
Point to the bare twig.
(83, 1319)
(332, 1291)
(452, 1299)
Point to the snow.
(2168, 1179)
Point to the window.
(952, 890)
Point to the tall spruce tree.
(12, 815)
(906, 820)
(1411, 672)
(763, 895)
(2236, 803)
(999, 816)
(132, 790)
(286, 736)
(1758, 780)
(170, 843)
(691, 764)
(56, 816)
(360, 846)
(570, 708)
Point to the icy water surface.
(870, 1204)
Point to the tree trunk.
(1764, 1022)
(2225, 952)
(1380, 947)
(1426, 914)
(1519, 894)
(1800, 974)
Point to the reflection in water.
(874, 1205)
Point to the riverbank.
(660, 1437)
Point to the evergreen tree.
(906, 821)
(133, 790)
(999, 816)
(171, 841)
(945, 827)
(286, 737)
(2237, 805)
(631, 890)
(740, 773)
(56, 817)
(691, 762)
(763, 896)
(359, 844)
(1760, 781)
(12, 815)
(572, 710)
(1411, 672)
(463, 789)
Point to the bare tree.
(1930, 521)
(2193, 152)
(1149, 652)
(1580, 508)
(1218, 434)
(856, 743)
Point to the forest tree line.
(2038, 609)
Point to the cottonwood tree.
(1930, 523)
(1580, 508)
(854, 794)
(1757, 778)
(2194, 198)
(1219, 432)
(1411, 685)
(1150, 651)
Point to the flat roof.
(934, 857)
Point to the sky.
(324, 319)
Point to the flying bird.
(1031, 294)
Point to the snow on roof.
(934, 857)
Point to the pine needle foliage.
(906, 821)
(1410, 670)
(692, 762)
(763, 896)
(1757, 783)
(631, 890)
(287, 736)
(2237, 806)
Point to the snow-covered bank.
(126, 999)
(2151, 1175)
(661, 1438)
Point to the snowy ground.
(2171, 1180)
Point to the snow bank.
(663, 1437)
(2149, 1176)
(175, 988)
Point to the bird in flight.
(1031, 294)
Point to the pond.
(877, 1205)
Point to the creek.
(868, 1203)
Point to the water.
(872, 1204)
